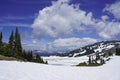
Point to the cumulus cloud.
(114, 9)
(32, 44)
(60, 19)
(67, 44)
(34, 41)
(104, 17)
(108, 30)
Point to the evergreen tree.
(11, 40)
(18, 46)
(89, 60)
(46, 62)
(1, 43)
(14, 49)
(29, 56)
(1, 38)
(24, 55)
(118, 51)
(11, 45)
(110, 54)
(39, 59)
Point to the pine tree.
(1, 38)
(24, 54)
(29, 56)
(38, 59)
(11, 40)
(89, 60)
(11, 45)
(18, 46)
(118, 51)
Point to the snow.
(101, 47)
(13, 70)
(75, 54)
(67, 61)
(110, 46)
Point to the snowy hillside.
(97, 47)
(13, 70)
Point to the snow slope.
(101, 47)
(13, 70)
(98, 47)
(75, 54)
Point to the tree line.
(14, 48)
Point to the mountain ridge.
(71, 53)
(88, 49)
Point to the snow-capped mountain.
(104, 46)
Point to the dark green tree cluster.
(14, 49)
(118, 51)
(28, 56)
(18, 47)
(3, 46)
(0, 38)
(39, 59)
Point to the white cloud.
(34, 41)
(60, 19)
(107, 29)
(104, 18)
(32, 44)
(67, 44)
(114, 9)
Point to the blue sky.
(60, 25)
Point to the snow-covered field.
(13, 70)
(65, 61)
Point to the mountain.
(44, 53)
(88, 49)
(103, 46)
